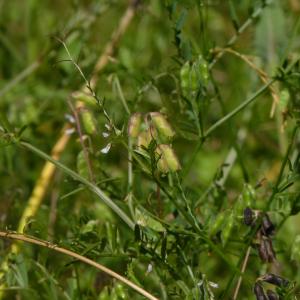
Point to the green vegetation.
(156, 139)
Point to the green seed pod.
(239, 206)
(86, 98)
(203, 70)
(227, 229)
(284, 99)
(249, 195)
(194, 78)
(168, 161)
(144, 139)
(162, 125)
(82, 168)
(134, 125)
(88, 121)
(218, 223)
(185, 78)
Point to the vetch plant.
(176, 170)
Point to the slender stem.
(46, 244)
(84, 148)
(247, 23)
(283, 165)
(237, 288)
(25, 73)
(121, 95)
(239, 108)
(130, 178)
(84, 181)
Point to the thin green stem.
(283, 165)
(84, 181)
(239, 108)
(21, 76)
(247, 23)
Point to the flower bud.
(167, 161)
(134, 125)
(162, 124)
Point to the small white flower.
(106, 148)
(105, 134)
(70, 118)
(213, 284)
(69, 131)
(150, 268)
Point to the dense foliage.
(178, 161)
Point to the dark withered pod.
(262, 250)
(265, 248)
(267, 226)
(248, 216)
(275, 280)
(270, 250)
(272, 295)
(259, 292)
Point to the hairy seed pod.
(144, 139)
(267, 225)
(248, 216)
(194, 78)
(88, 121)
(259, 292)
(162, 125)
(86, 98)
(275, 280)
(134, 125)
(184, 77)
(272, 295)
(203, 70)
(81, 163)
(167, 161)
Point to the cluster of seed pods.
(269, 294)
(265, 229)
(153, 126)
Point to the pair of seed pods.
(265, 230)
(272, 279)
